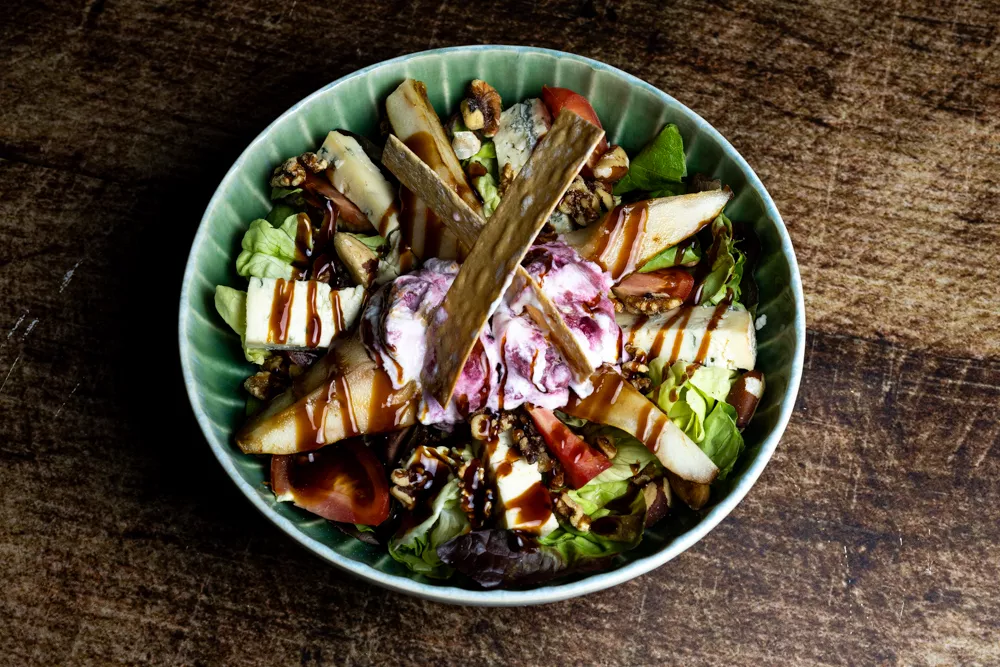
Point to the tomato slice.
(343, 482)
(581, 462)
(673, 282)
(557, 99)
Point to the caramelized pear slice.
(342, 395)
(617, 403)
(632, 234)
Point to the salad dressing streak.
(423, 145)
(281, 311)
(533, 507)
(314, 325)
(622, 235)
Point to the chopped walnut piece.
(274, 363)
(313, 162)
(290, 174)
(265, 385)
(648, 304)
(481, 109)
(481, 426)
(477, 495)
(570, 510)
(506, 178)
(635, 372)
(607, 447)
(612, 166)
(648, 474)
(580, 203)
(637, 354)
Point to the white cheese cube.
(465, 144)
(521, 126)
(298, 315)
(678, 335)
(521, 494)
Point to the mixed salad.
(497, 346)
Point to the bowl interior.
(632, 112)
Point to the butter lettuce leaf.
(728, 264)
(697, 404)
(486, 184)
(232, 306)
(612, 483)
(281, 193)
(280, 212)
(657, 166)
(268, 251)
(689, 255)
(417, 548)
(489, 192)
(723, 442)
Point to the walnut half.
(481, 109)
(570, 510)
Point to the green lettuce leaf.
(669, 190)
(658, 165)
(689, 256)
(281, 193)
(280, 212)
(697, 404)
(727, 268)
(417, 547)
(487, 184)
(612, 483)
(488, 190)
(495, 558)
(268, 252)
(232, 306)
(723, 442)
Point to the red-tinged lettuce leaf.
(505, 559)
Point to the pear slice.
(632, 234)
(359, 259)
(415, 122)
(344, 394)
(617, 403)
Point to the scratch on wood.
(9, 372)
(16, 325)
(31, 325)
(59, 411)
(69, 276)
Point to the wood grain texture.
(872, 538)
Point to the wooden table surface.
(872, 538)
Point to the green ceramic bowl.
(632, 112)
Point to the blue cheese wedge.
(522, 496)
(521, 127)
(695, 334)
(361, 181)
(298, 314)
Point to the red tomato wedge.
(674, 283)
(344, 482)
(557, 99)
(581, 462)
